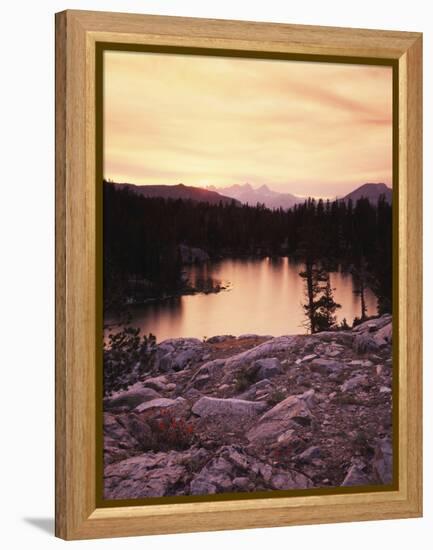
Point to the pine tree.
(360, 276)
(326, 307)
(321, 306)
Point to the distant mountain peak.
(371, 185)
(263, 189)
(247, 194)
(370, 191)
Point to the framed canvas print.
(238, 274)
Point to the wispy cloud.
(307, 128)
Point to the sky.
(311, 129)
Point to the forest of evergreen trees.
(142, 236)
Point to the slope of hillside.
(179, 191)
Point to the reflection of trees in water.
(135, 315)
(274, 287)
(276, 262)
(201, 278)
(169, 306)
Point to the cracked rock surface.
(254, 413)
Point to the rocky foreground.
(254, 414)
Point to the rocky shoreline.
(254, 413)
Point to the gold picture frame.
(80, 36)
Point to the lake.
(264, 297)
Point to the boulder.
(365, 363)
(137, 428)
(267, 368)
(177, 353)
(158, 383)
(232, 469)
(249, 336)
(307, 358)
(181, 343)
(290, 479)
(125, 435)
(185, 358)
(266, 349)
(364, 343)
(356, 475)
(383, 336)
(309, 454)
(326, 366)
(382, 461)
(214, 406)
(373, 334)
(164, 362)
(130, 398)
(216, 476)
(381, 370)
(373, 325)
(162, 403)
(219, 339)
(192, 394)
(206, 372)
(238, 459)
(265, 470)
(355, 382)
(241, 483)
(282, 417)
(200, 381)
(200, 486)
(286, 437)
(148, 475)
(337, 337)
(118, 442)
(251, 393)
(333, 352)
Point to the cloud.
(307, 128)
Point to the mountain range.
(246, 194)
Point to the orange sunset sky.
(314, 129)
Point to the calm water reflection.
(264, 297)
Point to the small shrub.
(275, 397)
(126, 357)
(361, 444)
(244, 378)
(346, 400)
(343, 325)
(170, 432)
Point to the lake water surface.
(265, 296)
